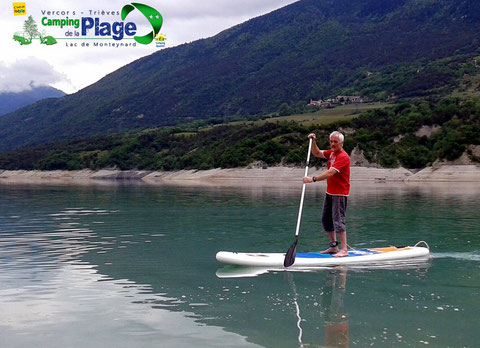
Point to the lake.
(134, 266)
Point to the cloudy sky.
(73, 68)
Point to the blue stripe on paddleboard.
(356, 252)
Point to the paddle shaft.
(300, 209)
(292, 251)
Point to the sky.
(71, 68)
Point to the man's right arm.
(315, 150)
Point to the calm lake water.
(134, 266)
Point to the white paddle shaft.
(299, 219)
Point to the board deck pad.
(357, 252)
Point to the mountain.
(11, 101)
(309, 49)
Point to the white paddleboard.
(316, 259)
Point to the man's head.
(336, 141)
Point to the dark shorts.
(334, 211)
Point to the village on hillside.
(339, 100)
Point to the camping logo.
(19, 8)
(30, 32)
(86, 28)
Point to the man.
(338, 189)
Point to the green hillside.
(386, 136)
(310, 49)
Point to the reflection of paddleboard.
(234, 271)
(315, 259)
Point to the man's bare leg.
(333, 239)
(343, 240)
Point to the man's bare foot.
(341, 253)
(330, 251)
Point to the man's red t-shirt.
(338, 184)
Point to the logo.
(91, 25)
(19, 8)
(160, 40)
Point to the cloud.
(187, 20)
(23, 74)
(190, 9)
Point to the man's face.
(335, 143)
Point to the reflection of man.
(336, 321)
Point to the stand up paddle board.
(317, 259)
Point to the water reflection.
(78, 307)
(135, 266)
(328, 307)
(336, 320)
(51, 296)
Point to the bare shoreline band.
(242, 176)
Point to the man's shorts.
(334, 211)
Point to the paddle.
(292, 251)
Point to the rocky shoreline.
(240, 176)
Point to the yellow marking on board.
(391, 248)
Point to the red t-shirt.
(338, 184)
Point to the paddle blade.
(291, 253)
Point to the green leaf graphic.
(126, 10)
(152, 15)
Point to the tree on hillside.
(30, 28)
